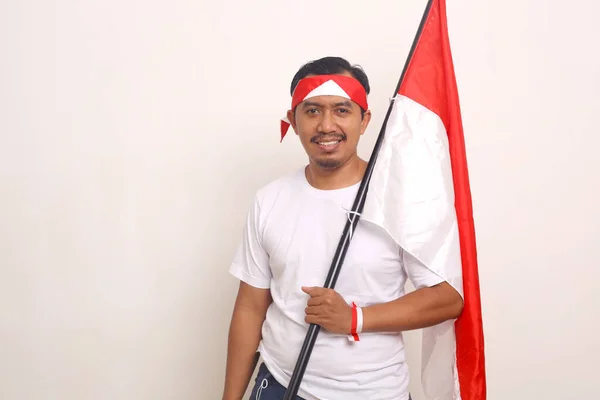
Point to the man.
(291, 234)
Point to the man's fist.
(328, 309)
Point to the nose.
(327, 124)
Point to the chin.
(328, 163)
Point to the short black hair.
(330, 66)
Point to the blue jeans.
(266, 387)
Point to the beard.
(328, 163)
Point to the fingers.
(319, 297)
(317, 301)
(312, 319)
(315, 291)
(326, 308)
(311, 311)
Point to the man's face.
(329, 128)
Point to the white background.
(133, 135)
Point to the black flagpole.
(357, 207)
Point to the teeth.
(329, 143)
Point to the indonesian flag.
(419, 193)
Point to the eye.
(343, 110)
(312, 111)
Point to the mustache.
(322, 136)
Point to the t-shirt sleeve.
(251, 261)
(419, 275)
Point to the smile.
(329, 144)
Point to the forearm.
(419, 309)
(244, 338)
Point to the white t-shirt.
(289, 241)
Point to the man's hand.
(328, 309)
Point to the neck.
(347, 174)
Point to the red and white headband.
(326, 85)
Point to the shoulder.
(274, 199)
(281, 189)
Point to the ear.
(365, 121)
(290, 117)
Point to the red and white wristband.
(357, 323)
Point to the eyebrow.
(309, 103)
